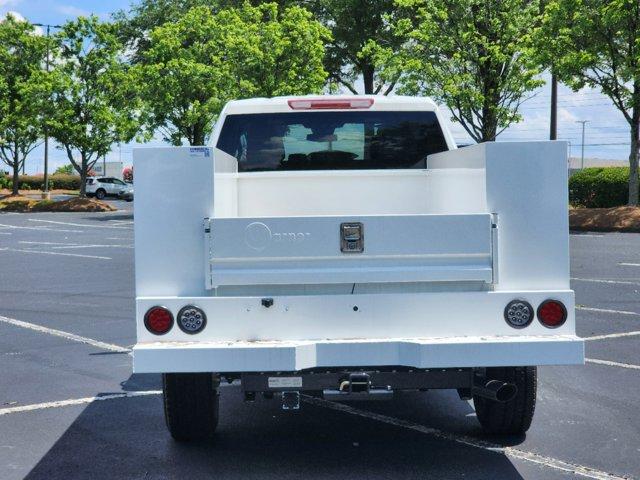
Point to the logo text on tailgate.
(257, 236)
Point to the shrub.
(4, 180)
(63, 182)
(30, 182)
(603, 187)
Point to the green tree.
(476, 56)
(596, 43)
(195, 65)
(363, 43)
(92, 101)
(64, 170)
(136, 24)
(22, 53)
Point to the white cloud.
(9, 3)
(19, 17)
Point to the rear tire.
(191, 404)
(513, 417)
(100, 194)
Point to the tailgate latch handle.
(351, 237)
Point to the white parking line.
(54, 253)
(543, 460)
(69, 336)
(76, 401)
(609, 363)
(624, 264)
(92, 246)
(79, 224)
(605, 310)
(47, 243)
(612, 335)
(62, 245)
(41, 229)
(598, 280)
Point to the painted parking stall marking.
(69, 336)
(550, 462)
(44, 252)
(86, 225)
(531, 457)
(602, 280)
(609, 363)
(606, 310)
(612, 335)
(41, 228)
(76, 401)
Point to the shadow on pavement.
(127, 438)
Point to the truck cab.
(343, 247)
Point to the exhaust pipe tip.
(506, 392)
(497, 390)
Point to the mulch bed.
(18, 203)
(618, 219)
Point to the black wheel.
(191, 405)
(512, 417)
(101, 193)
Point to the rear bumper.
(449, 352)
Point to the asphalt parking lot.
(70, 407)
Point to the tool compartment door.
(310, 250)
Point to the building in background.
(108, 169)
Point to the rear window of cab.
(331, 140)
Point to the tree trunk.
(367, 78)
(83, 176)
(198, 135)
(633, 158)
(16, 172)
(489, 124)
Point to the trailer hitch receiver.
(291, 400)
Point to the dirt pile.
(618, 219)
(18, 203)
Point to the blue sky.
(607, 134)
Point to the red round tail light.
(552, 313)
(158, 320)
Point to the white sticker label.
(285, 382)
(199, 151)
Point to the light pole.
(46, 133)
(553, 121)
(583, 122)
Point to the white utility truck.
(343, 247)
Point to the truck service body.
(344, 247)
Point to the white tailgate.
(307, 250)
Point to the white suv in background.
(101, 187)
